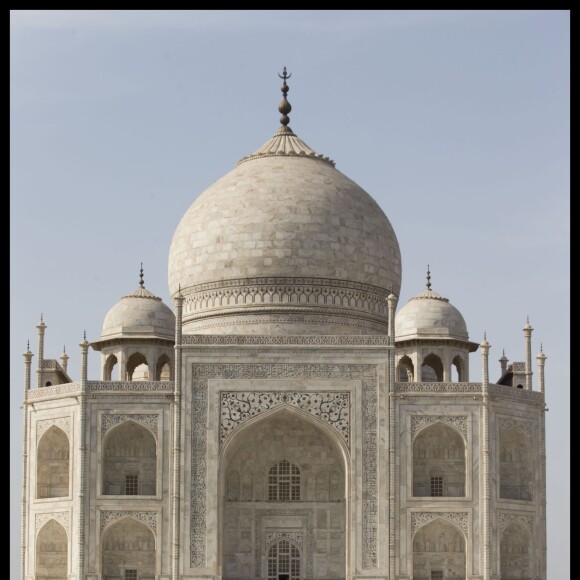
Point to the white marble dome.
(284, 233)
(139, 314)
(429, 315)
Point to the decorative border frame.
(203, 372)
(332, 407)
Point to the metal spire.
(141, 283)
(428, 278)
(284, 107)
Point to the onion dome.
(284, 243)
(429, 316)
(139, 314)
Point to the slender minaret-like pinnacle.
(41, 330)
(64, 359)
(528, 348)
(541, 360)
(503, 361)
(284, 107)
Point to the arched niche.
(51, 552)
(130, 460)
(439, 551)
(284, 559)
(406, 370)
(315, 511)
(52, 464)
(431, 369)
(438, 462)
(516, 553)
(163, 369)
(109, 367)
(128, 546)
(137, 367)
(515, 466)
(458, 369)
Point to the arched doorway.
(284, 561)
(130, 461)
(515, 466)
(52, 467)
(283, 501)
(515, 553)
(438, 462)
(128, 551)
(438, 551)
(51, 552)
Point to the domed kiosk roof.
(430, 316)
(282, 241)
(139, 314)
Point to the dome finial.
(284, 107)
(428, 278)
(141, 283)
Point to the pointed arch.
(128, 545)
(439, 549)
(516, 560)
(109, 366)
(163, 370)
(432, 369)
(52, 552)
(136, 360)
(257, 457)
(406, 370)
(439, 463)
(129, 460)
(284, 481)
(458, 363)
(284, 557)
(53, 464)
(515, 465)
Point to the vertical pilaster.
(23, 520)
(528, 340)
(485, 514)
(175, 496)
(82, 458)
(391, 411)
(41, 330)
(541, 360)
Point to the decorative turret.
(429, 321)
(138, 330)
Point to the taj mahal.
(285, 417)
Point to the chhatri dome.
(429, 315)
(139, 314)
(284, 244)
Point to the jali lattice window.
(284, 482)
(130, 575)
(283, 558)
(436, 575)
(436, 486)
(131, 485)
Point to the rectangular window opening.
(436, 489)
(132, 487)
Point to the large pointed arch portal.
(283, 494)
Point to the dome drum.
(286, 298)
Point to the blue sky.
(456, 122)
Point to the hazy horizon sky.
(456, 122)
